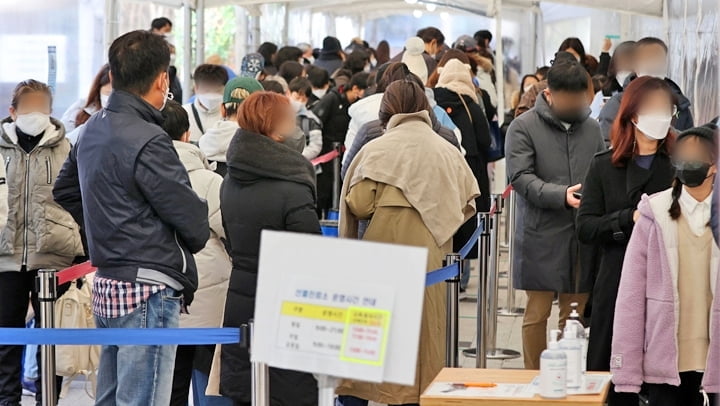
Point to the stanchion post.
(336, 175)
(451, 323)
(46, 285)
(492, 287)
(480, 352)
(510, 309)
(259, 377)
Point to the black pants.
(182, 375)
(687, 394)
(16, 288)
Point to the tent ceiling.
(644, 7)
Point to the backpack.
(74, 310)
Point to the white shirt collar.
(697, 213)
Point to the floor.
(509, 331)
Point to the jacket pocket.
(660, 344)
(58, 233)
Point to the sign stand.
(326, 389)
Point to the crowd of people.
(613, 183)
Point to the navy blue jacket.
(124, 181)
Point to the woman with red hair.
(268, 186)
(639, 163)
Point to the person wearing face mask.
(667, 319)
(205, 111)
(307, 121)
(548, 150)
(638, 164)
(77, 114)
(320, 81)
(650, 59)
(529, 96)
(124, 174)
(526, 83)
(37, 233)
(268, 185)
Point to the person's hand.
(570, 199)
(607, 44)
(636, 216)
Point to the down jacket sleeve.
(3, 196)
(66, 190)
(595, 225)
(213, 202)
(626, 362)
(520, 158)
(164, 182)
(300, 214)
(607, 116)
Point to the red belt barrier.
(323, 159)
(75, 272)
(507, 191)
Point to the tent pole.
(200, 32)
(187, 50)
(499, 61)
(111, 22)
(286, 24)
(241, 36)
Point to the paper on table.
(502, 390)
(593, 384)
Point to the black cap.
(707, 131)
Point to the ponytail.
(675, 206)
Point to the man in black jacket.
(125, 183)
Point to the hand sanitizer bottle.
(572, 347)
(580, 334)
(553, 370)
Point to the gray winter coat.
(38, 233)
(543, 160)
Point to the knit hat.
(457, 76)
(413, 57)
(251, 65)
(247, 86)
(707, 131)
(331, 45)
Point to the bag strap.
(196, 114)
(465, 105)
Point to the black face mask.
(692, 174)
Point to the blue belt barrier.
(442, 274)
(465, 250)
(118, 336)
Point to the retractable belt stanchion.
(493, 351)
(480, 351)
(46, 285)
(510, 309)
(336, 176)
(451, 326)
(259, 375)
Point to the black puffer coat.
(268, 187)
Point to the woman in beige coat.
(413, 188)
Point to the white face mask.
(527, 88)
(657, 71)
(211, 101)
(104, 100)
(168, 96)
(32, 124)
(296, 105)
(319, 93)
(621, 76)
(654, 126)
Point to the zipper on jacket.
(182, 253)
(27, 212)
(7, 165)
(48, 166)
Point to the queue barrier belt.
(118, 336)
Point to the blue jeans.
(199, 384)
(139, 375)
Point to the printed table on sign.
(516, 382)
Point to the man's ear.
(13, 113)
(185, 137)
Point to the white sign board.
(338, 307)
(30, 57)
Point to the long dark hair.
(710, 144)
(93, 99)
(576, 45)
(382, 52)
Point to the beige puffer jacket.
(38, 233)
(213, 261)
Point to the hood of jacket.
(191, 156)
(457, 77)
(216, 140)
(366, 109)
(546, 114)
(51, 137)
(253, 156)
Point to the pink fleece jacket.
(644, 345)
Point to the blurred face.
(354, 94)
(32, 115)
(209, 94)
(432, 47)
(624, 62)
(693, 162)
(655, 115)
(651, 60)
(285, 124)
(528, 83)
(568, 107)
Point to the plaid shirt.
(113, 298)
